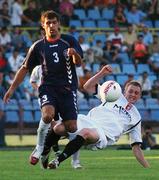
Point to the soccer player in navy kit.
(58, 54)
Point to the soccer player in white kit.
(105, 123)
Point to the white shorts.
(84, 122)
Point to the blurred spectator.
(66, 10)
(153, 12)
(111, 53)
(135, 16)
(54, 5)
(15, 60)
(87, 51)
(130, 37)
(4, 65)
(83, 80)
(139, 51)
(130, 78)
(74, 32)
(2, 114)
(18, 94)
(86, 4)
(16, 13)
(119, 17)
(98, 52)
(155, 89)
(105, 3)
(154, 54)
(147, 36)
(2, 124)
(148, 140)
(145, 84)
(32, 14)
(4, 15)
(117, 39)
(5, 39)
(84, 45)
(20, 39)
(28, 89)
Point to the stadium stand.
(94, 24)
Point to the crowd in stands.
(128, 41)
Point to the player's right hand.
(7, 96)
(107, 69)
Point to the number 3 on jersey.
(44, 99)
(56, 58)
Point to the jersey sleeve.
(31, 60)
(135, 135)
(74, 44)
(97, 91)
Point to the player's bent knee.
(89, 135)
(71, 126)
(47, 118)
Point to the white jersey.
(36, 75)
(117, 118)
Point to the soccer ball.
(110, 91)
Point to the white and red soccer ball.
(110, 91)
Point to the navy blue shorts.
(63, 99)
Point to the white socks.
(75, 156)
(41, 134)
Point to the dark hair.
(134, 83)
(50, 14)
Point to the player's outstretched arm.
(140, 156)
(90, 85)
(21, 73)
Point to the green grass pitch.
(97, 165)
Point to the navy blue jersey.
(57, 68)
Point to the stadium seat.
(155, 114)
(12, 105)
(28, 116)
(12, 116)
(145, 114)
(25, 104)
(124, 57)
(116, 68)
(107, 14)
(140, 104)
(109, 77)
(143, 67)
(89, 24)
(121, 79)
(128, 69)
(95, 67)
(36, 105)
(152, 103)
(37, 115)
(99, 36)
(94, 102)
(103, 24)
(93, 14)
(80, 13)
(152, 77)
(157, 23)
(148, 23)
(83, 104)
(76, 23)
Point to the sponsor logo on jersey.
(123, 110)
(53, 45)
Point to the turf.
(98, 165)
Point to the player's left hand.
(71, 51)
